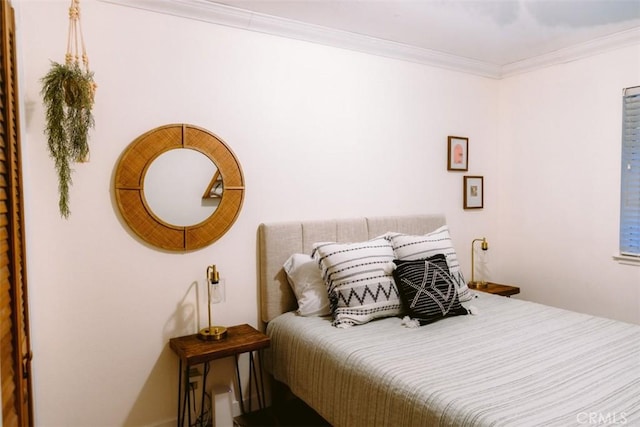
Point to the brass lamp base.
(213, 333)
(477, 285)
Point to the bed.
(508, 362)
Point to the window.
(630, 174)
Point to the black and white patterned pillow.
(359, 282)
(412, 247)
(427, 289)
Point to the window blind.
(630, 182)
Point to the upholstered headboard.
(277, 241)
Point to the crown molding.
(216, 13)
(572, 53)
(207, 11)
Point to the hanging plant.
(68, 94)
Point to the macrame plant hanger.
(75, 50)
(75, 40)
(68, 94)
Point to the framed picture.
(458, 153)
(473, 192)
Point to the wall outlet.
(195, 378)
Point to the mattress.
(514, 363)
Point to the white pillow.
(304, 276)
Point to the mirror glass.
(182, 187)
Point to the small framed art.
(458, 153)
(473, 192)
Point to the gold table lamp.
(212, 333)
(484, 246)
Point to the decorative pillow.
(306, 282)
(408, 247)
(359, 281)
(427, 289)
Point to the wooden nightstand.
(193, 351)
(496, 288)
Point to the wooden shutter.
(15, 351)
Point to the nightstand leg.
(263, 400)
(239, 386)
(256, 379)
(203, 391)
(252, 373)
(180, 413)
(184, 395)
(187, 401)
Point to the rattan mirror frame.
(129, 187)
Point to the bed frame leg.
(280, 393)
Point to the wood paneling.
(15, 351)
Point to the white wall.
(560, 133)
(320, 132)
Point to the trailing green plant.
(68, 96)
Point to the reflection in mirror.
(214, 190)
(174, 184)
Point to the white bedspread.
(516, 363)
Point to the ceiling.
(488, 37)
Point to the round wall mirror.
(179, 187)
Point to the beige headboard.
(277, 241)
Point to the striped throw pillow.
(359, 281)
(410, 247)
